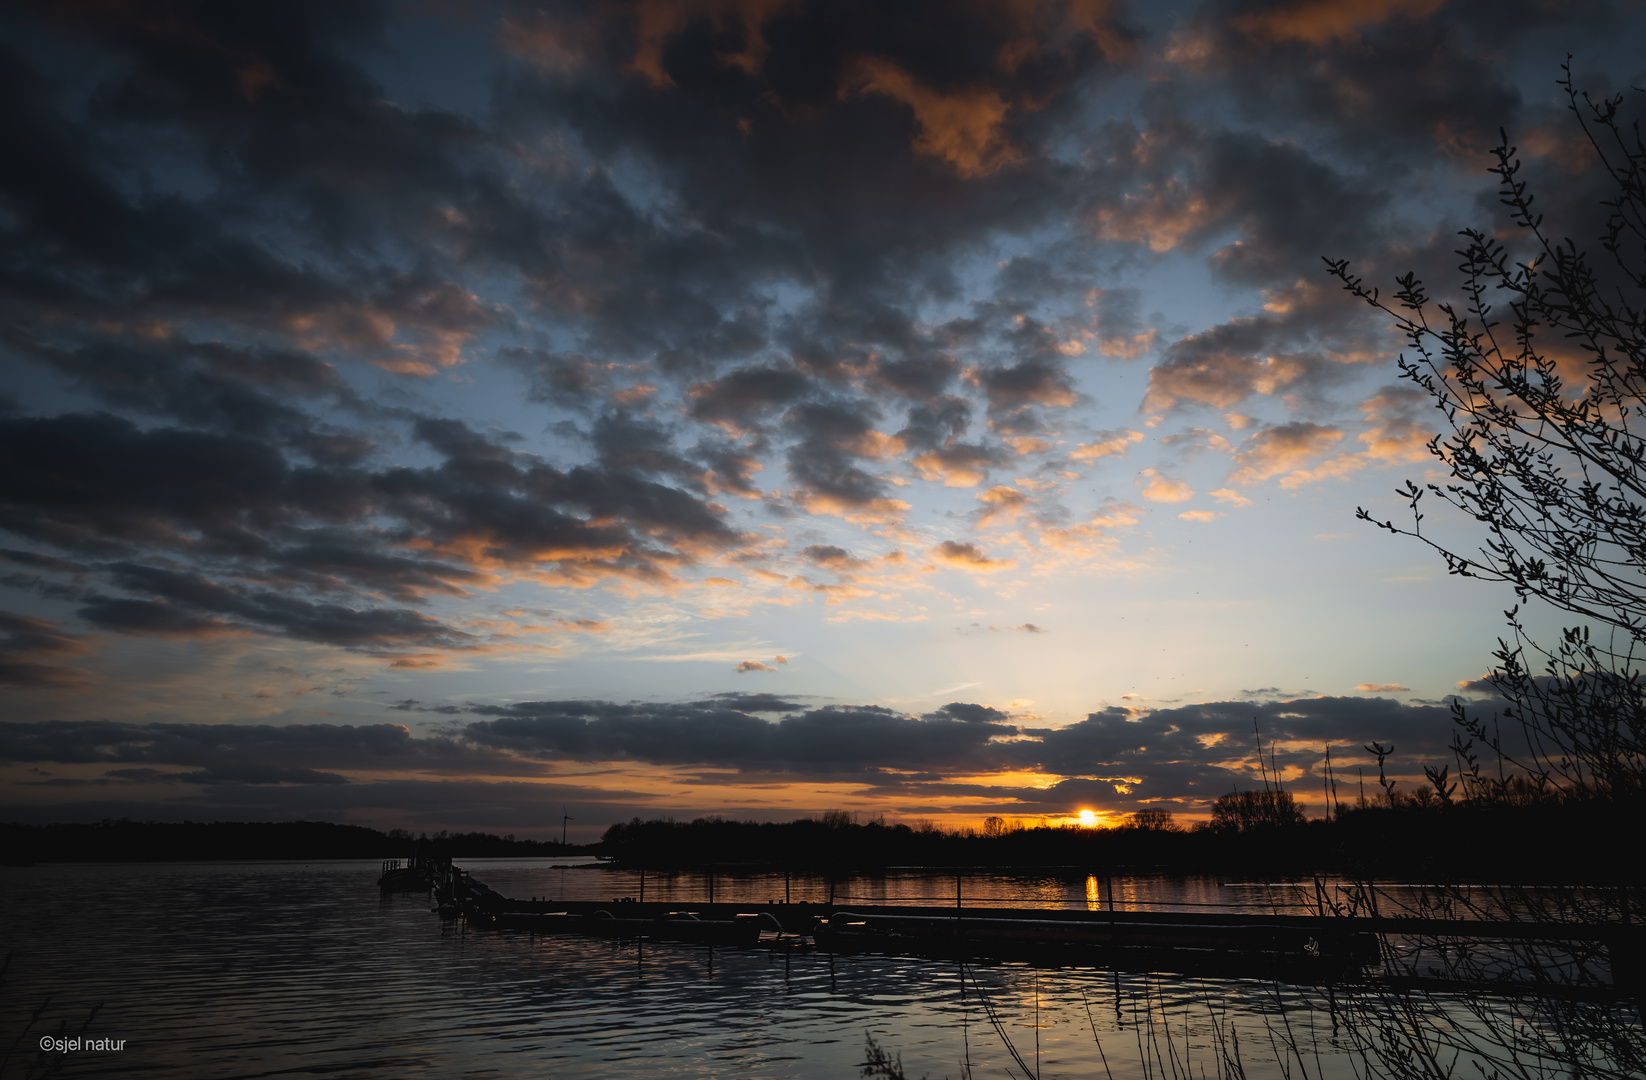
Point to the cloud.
(740, 399)
(752, 665)
(1197, 752)
(115, 489)
(1321, 22)
(1158, 487)
(1395, 434)
(305, 346)
(1002, 504)
(1221, 368)
(1037, 381)
(758, 703)
(956, 465)
(1382, 688)
(1281, 449)
(1107, 444)
(1190, 754)
(825, 740)
(250, 753)
(32, 651)
(968, 556)
(961, 128)
(1120, 330)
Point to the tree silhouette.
(1545, 442)
(1254, 811)
(1541, 377)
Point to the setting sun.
(1087, 819)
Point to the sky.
(472, 415)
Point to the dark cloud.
(100, 485)
(1152, 744)
(757, 703)
(835, 438)
(827, 740)
(743, 398)
(1391, 81)
(41, 562)
(252, 298)
(564, 379)
(249, 753)
(1116, 758)
(32, 651)
(500, 806)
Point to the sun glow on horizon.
(1088, 819)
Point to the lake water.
(304, 969)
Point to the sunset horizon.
(468, 417)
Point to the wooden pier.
(1305, 949)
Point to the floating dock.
(1301, 949)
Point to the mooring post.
(711, 886)
(957, 890)
(642, 886)
(785, 886)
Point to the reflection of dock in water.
(1297, 948)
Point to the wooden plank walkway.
(1297, 948)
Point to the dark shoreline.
(1557, 844)
(1570, 843)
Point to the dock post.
(711, 886)
(957, 890)
(642, 886)
(785, 886)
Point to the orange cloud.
(656, 21)
(635, 394)
(1382, 688)
(1395, 437)
(1027, 444)
(965, 556)
(1100, 19)
(1001, 503)
(1282, 449)
(1161, 216)
(1158, 487)
(1231, 497)
(1125, 347)
(962, 128)
(584, 626)
(421, 662)
(1319, 22)
(1200, 515)
(1107, 444)
(871, 511)
(410, 329)
(960, 466)
(1221, 379)
(1094, 535)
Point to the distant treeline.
(1500, 843)
(155, 841)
